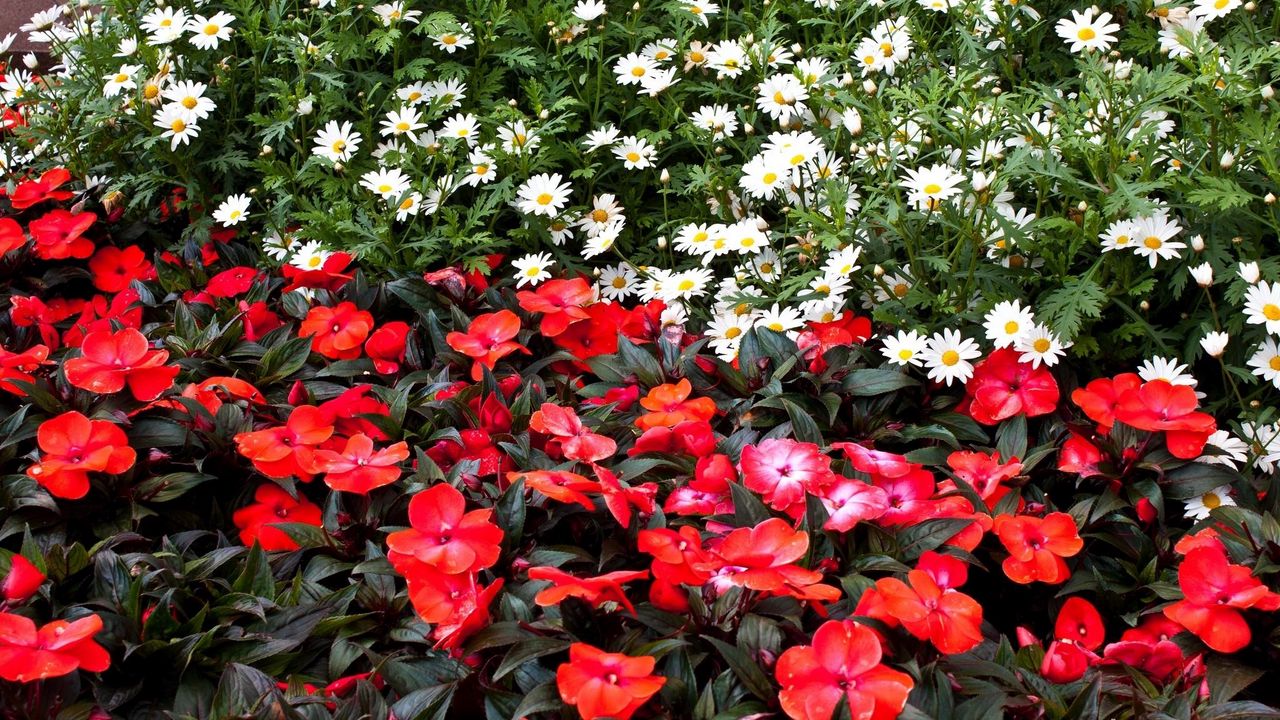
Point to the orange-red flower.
(11, 235)
(21, 582)
(1161, 406)
(669, 405)
(360, 468)
(595, 590)
(843, 663)
(288, 451)
(1037, 545)
(763, 558)
(606, 685)
(71, 447)
(488, 339)
(59, 235)
(114, 268)
(386, 347)
(929, 606)
(446, 536)
(561, 303)
(559, 485)
(32, 192)
(108, 361)
(1215, 592)
(576, 441)
(337, 332)
(271, 507)
(56, 649)
(19, 366)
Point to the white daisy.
(190, 97)
(174, 121)
(405, 121)
(1266, 362)
(543, 194)
(1262, 306)
(1167, 369)
(635, 153)
(1040, 345)
(930, 186)
(1234, 451)
(905, 348)
(1153, 238)
(779, 319)
(947, 356)
(1087, 33)
(233, 210)
(387, 183)
(120, 80)
(617, 282)
(1007, 323)
(336, 142)
(532, 269)
(208, 33)
(1199, 508)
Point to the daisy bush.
(807, 359)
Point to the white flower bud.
(877, 271)
(662, 242)
(852, 121)
(1268, 92)
(1228, 159)
(665, 176)
(1250, 272)
(869, 86)
(1214, 343)
(1203, 274)
(30, 61)
(306, 106)
(981, 181)
(1082, 206)
(1269, 199)
(1197, 243)
(544, 115)
(1144, 306)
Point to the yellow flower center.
(633, 156)
(407, 203)
(449, 39)
(687, 285)
(766, 268)
(190, 103)
(599, 215)
(950, 357)
(1041, 345)
(901, 289)
(339, 145)
(1086, 34)
(732, 332)
(1275, 363)
(932, 189)
(905, 354)
(314, 261)
(696, 57)
(1011, 327)
(779, 98)
(533, 271)
(770, 178)
(384, 188)
(1211, 500)
(402, 126)
(1271, 311)
(122, 77)
(150, 92)
(211, 29)
(1153, 242)
(544, 199)
(619, 282)
(637, 71)
(178, 125)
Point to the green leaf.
(284, 359)
(1066, 308)
(748, 510)
(1195, 479)
(527, 650)
(752, 677)
(802, 424)
(866, 382)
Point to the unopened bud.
(1269, 198)
(1228, 159)
(665, 176)
(1268, 92)
(869, 86)
(1197, 243)
(30, 61)
(662, 241)
(1144, 306)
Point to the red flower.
(1079, 456)
(232, 282)
(108, 361)
(1037, 545)
(19, 366)
(561, 303)
(1098, 399)
(386, 347)
(101, 314)
(1080, 622)
(850, 501)
(1002, 387)
(843, 663)
(692, 437)
(446, 536)
(595, 590)
(338, 332)
(359, 468)
(1160, 406)
(1148, 647)
(875, 462)
(32, 192)
(708, 493)
(59, 648)
(783, 471)
(113, 268)
(930, 607)
(59, 235)
(678, 555)
(488, 339)
(31, 311)
(819, 337)
(11, 235)
(763, 557)
(596, 335)
(561, 486)
(328, 276)
(606, 685)
(576, 442)
(271, 507)
(669, 405)
(21, 582)
(1216, 591)
(258, 320)
(619, 499)
(71, 447)
(985, 473)
(287, 451)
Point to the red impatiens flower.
(693, 437)
(338, 332)
(11, 235)
(559, 485)
(596, 335)
(232, 282)
(59, 235)
(114, 268)
(1079, 456)
(819, 337)
(33, 192)
(763, 558)
(326, 275)
(1161, 406)
(258, 319)
(102, 314)
(669, 405)
(21, 582)
(783, 471)
(108, 361)
(843, 663)
(288, 451)
(1002, 387)
(595, 590)
(386, 347)
(708, 492)
(1098, 399)
(1216, 591)
(576, 441)
(19, 366)
(678, 555)
(1077, 633)
(849, 501)
(71, 447)
(488, 339)
(606, 685)
(928, 605)
(359, 468)
(56, 649)
(1037, 545)
(1149, 648)
(446, 536)
(619, 499)
(985, 473)
(561, 302)
(271, 507)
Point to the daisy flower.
(516, 138)
(1040, 345)
(1214, 343)
(617, 282)
(277, 245)
(632, 67)
(462, 126)
(905, 348)
(405, 121)
(764, 175)
(190, 97)
(1262, 306)
(409, 206)
(843, 261)
(532, 269)
(543, 194)
(718, 119)
(1214, 9)
(930, 186)
(174, 120)
(1199, 508)
(387, 183)
(336, 142)
(452, 42)
(1008, 322)
(482, 171)
(782, 97)
(635, 153)
(448, 93)
(947, 356)
(120, 80)
(1234, 450)
(701, 10)
(208, 33)
(1087, 33)
(415, 93)
(588, 10)
(1118, 235)
(601, 137)
(605, 210)
(602, 241)
(164, 25)
(779, 319)
(232, 210)
(1266, 362)
(1154, 238)
(392, 13)
(726, 331)
(1167, 369)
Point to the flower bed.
(337, 431)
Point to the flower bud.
(662, 242)
(1197, 243)
(1227, 161)
(1269, 198)
(1214, 343)
(22, 581)
(306, 106)
(30, 61)
(1250, 272)
(1203, 274)
(665, 176)
(1268, 92)
(869, 86)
